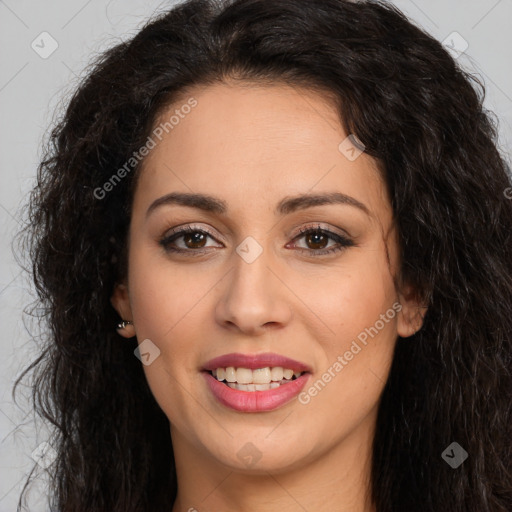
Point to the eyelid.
(343, 240)
(309, 226)
(184, 228)
(320, 226)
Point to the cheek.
(358, 347)
(164, 295)
(168, 303)
(358, 356)
(352, 297)
(354, 363)
(166, 306)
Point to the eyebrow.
(287, 205)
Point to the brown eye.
(317, 239)
(184, 240)
(194, 240)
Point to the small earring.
(123, 324)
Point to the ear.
(410, 318)
(120, 300)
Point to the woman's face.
(247, 281)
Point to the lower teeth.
(255, 387)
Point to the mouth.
(258, 379)
(255, 382)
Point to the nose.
(254, 298)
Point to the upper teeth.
(258, 376)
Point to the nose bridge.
(253, 296)
(251, 273)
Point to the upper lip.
(254, 361)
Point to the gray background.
(32, 87)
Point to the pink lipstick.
(235, 380)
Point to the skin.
(251, 146)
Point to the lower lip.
(255, 401)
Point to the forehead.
(253, 145)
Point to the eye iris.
(194, 237)
(314, 239)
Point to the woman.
(293, 213)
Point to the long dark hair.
(418, 114)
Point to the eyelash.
(343, 242)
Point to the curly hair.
(417, 113)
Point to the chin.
(261, 456)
